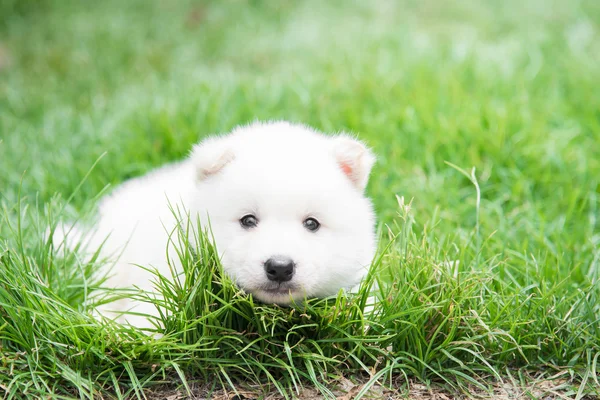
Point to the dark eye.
(311, 224)
(249, 221)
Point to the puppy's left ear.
(354, 159)
(210, 156)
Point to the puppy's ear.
(354, 159)
(210, 156)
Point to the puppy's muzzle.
(279, 269)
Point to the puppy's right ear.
(354, 159)
(210, 156)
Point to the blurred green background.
(508, 87)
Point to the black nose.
(279, 269)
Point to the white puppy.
(285, 204)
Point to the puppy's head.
(287, 209)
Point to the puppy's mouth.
(278, 288)
(281, 294)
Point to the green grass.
(437, 89)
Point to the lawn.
(485, 117)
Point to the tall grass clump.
(421, 313)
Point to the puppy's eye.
(249, 221)
(311, 224)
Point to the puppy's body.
(286, 209)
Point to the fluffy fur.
(279, 172)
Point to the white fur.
(280, 172)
